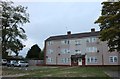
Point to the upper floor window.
(49, 51)
(65, 42)
(65, 51)
(50, 42)
(113, 59)
(88, 40)
(77, 42)
(78, 51)
(91, 39)
(91, 49)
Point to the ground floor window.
(80, 59)
(65, 60)
(49, 60)
(113, 59)
(92, 59)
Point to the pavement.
(113, 74)
(16, 75)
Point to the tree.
(13, 17)
(34, 52)
(42, 55)
(109, 23)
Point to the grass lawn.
(60, 71)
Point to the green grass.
(68, 72)
(59, 72)
(12, 71)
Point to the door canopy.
(76, 56)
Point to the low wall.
(35, 62)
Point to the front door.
(83, 60)
(74, 62)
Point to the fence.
(35, 62)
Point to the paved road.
(16, 75)
(113, 74)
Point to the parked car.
(4, 61)
(11, 63)
(21, 63)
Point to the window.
(113, 59)
(49, 51)
(91, 39)
(88, 40)
(78, 51)
(88, 59)
(91, 49)
(65, 60)
(77, 42)
(95, 59)
(92, 59)
(94, 49)
(50, 42)
(49, 60)
(79, 60)
(65, 51)
(65, 42)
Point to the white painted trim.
(86, 60)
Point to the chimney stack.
(69, 33)
(93, 30)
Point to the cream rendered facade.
(59, 51)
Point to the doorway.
(78, 60)
(74, 62)
(83, 60)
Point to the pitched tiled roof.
(77, 35)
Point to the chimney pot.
(93, 30)
(69, 33)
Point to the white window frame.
(88, 40)
(50, 51)
(91, 49)
(49, 60)
(112, 59)
(91, 39)
(65, 41)
(92, 60)
(77, 51)
(65, 60)
(94, 49)
(88, 59)
(65, 51)
(50, 43)
(77, 42)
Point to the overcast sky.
(56, 18)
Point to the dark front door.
(83, 60)
(74, 62)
